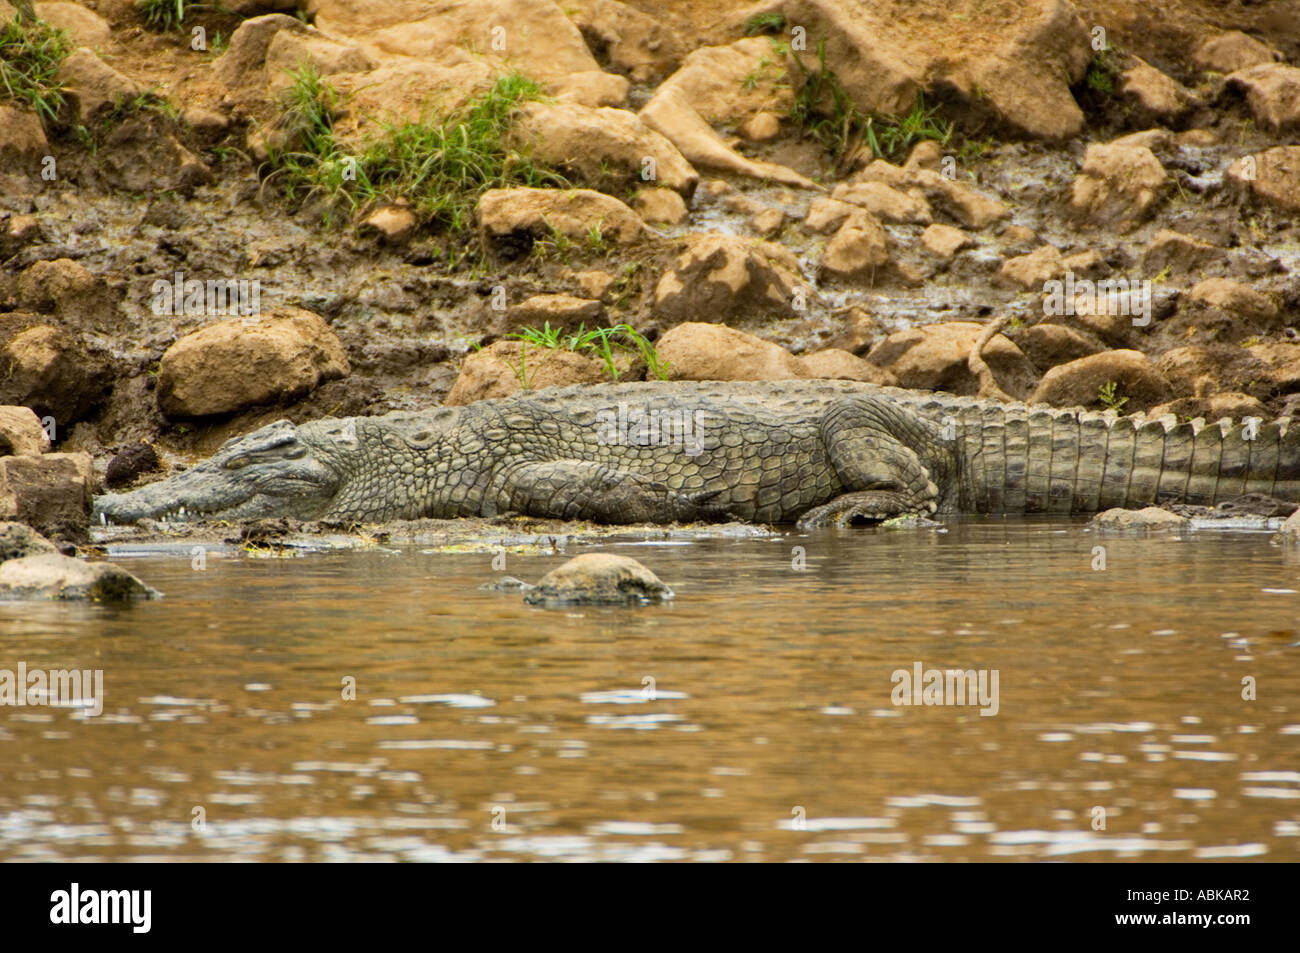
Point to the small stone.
(599, 579)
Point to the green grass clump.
(1109, 398)
(764, 23)
(164, 14)
(440, 167)
(604, 343)
(827, 113)
(31, 53)
(1103, 72)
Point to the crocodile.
(808, 452)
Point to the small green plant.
(764, 23)
(604, 343)
(1103, 72)
(31, 52)
(1109, 399)
(164, 14)
(547, 337)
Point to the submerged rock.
(52, 576)
(1152, 517)
(599, 579)
(18, 540)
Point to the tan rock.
(636, 44)
(935, 357)
(728, 85)
(1272, 175)
(67, 289)
(22, 140)
(21, 433)
(1030, 272)
(835, 364)
(884, 202)
(944, 241)
(761, 127)
(948, 198)
(722, 277)
(767, 222)
(1078, 383)
(926, 154)
(1178, 253)
(713, 352)
(1272, 93)
(51, 492)
(1143, 520)
(607, 149)
(1153, 95)
(558, 311)
(593, 88)
(50, 371)
(1230, 404)
(1118, 185)
(394, 223)
(1232, 51)
(826, 215)
(92, 85)
(670, 113)
(509, 216)
(1236, 297)
(52, 576)
(243, 362)
(85, 26)
(290, 49)
(595, 284)
(496, 371)
(859, 250)
(1048, 345)
(599, 579)
(660, 207)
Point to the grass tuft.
(31, 53)
(164, 14)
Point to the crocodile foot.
(863, 506)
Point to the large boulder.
(724, 278)
(502, 368)
(51, 371)
(53, 576)
(936, 357)
(51, 492)
(1079, 383)
(712, 352)
(512, 219)
(728, 85)
(607, 149)
(1118, 186)
(1015, 61)
(243, 362)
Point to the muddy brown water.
(750, 719)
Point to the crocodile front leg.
(876, 449)
(584, 490)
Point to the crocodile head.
(279, 470)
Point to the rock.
(511, 219)
(1018, 236)
(826, 215)
(51, 492)
(669, 113)
(884, 202)
(1047, 345)
(926, 154)
(660, 207)
(1032, 271)
(1149, 518)
(495, 371)
(726, 278)
(858, 251)
(142, 155)
(760, 127)
(728, 85)
(627, 41)
(52, 576)
(948, 198)
(1230, 404)
(22, 139)
(18, 540)
(596, 284)
(1178, 253)
(86, 27)
(67, 289)
(1281, 362)
(136, 460)
(1289, 534)
(1118, 185)
(561, 312)
(593, 88)
(1078, 383)
(50, 371)
(244, 59)
(768, 222)
(1232, 51)
(835, 364)
(607, 149)
(599, 579)
(1017, 63)
(1235, 297)
(21, 433)
(1156, 139)
(393, 223)
(243, 362)
(712, 352)
(1272, 175)
(858, 331)
(1272, 93)
(92, 85)
(1152, 95)
(935, 357)
(405, 90)
(944, 241)
(293, 49)
(19, 232)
